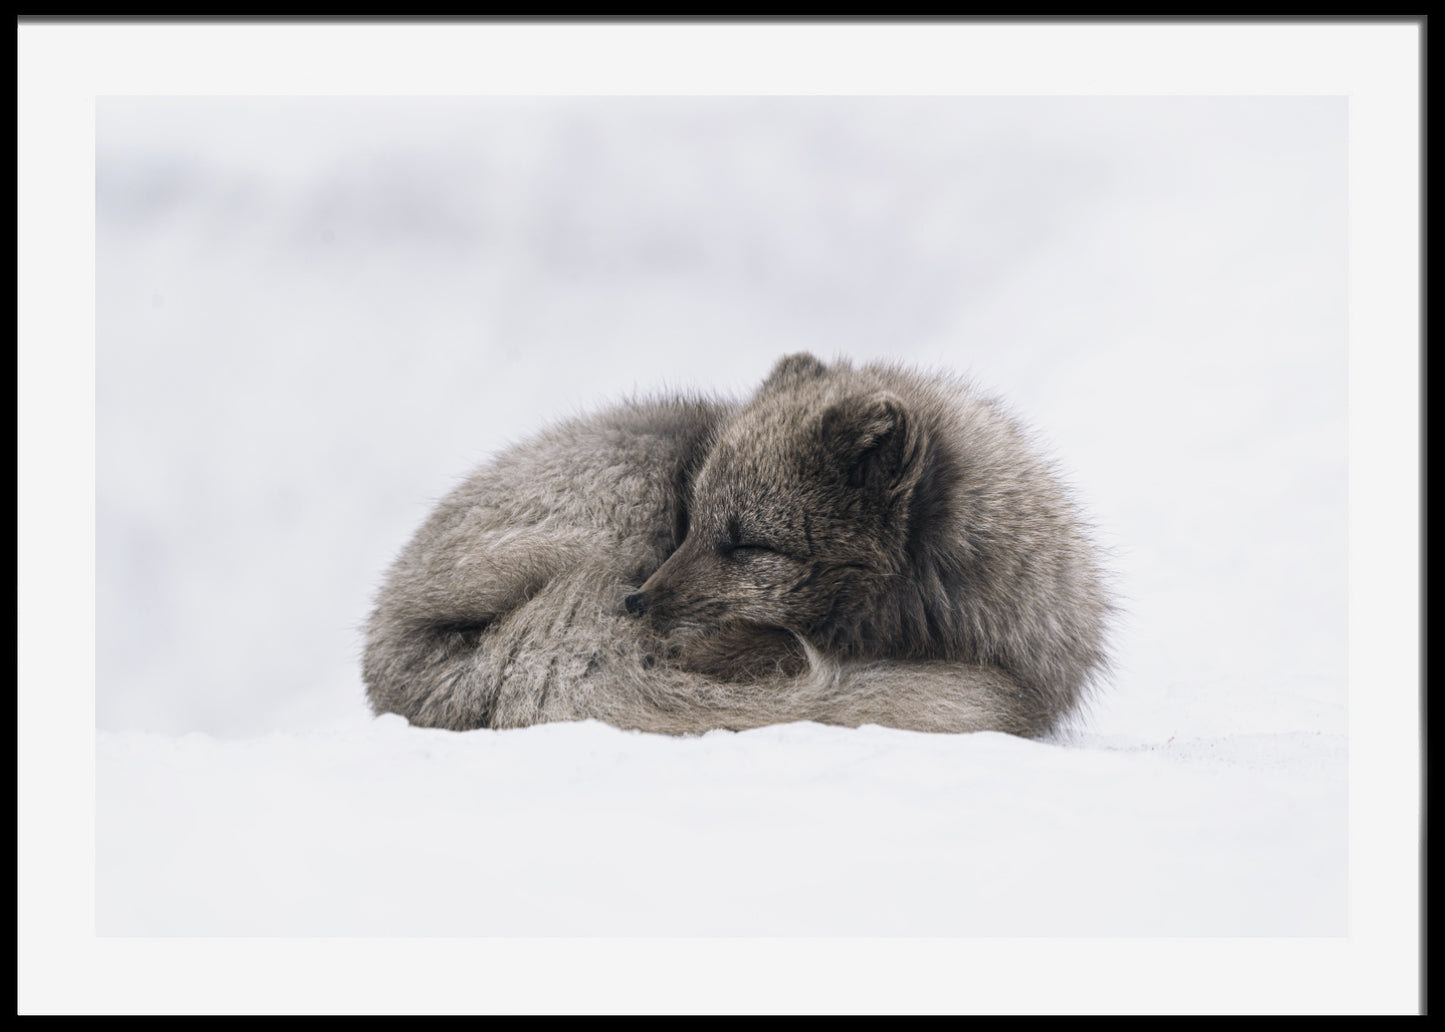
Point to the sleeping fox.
(850, 546)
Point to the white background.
(313, 316)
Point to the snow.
(797, 830)
(313, 316)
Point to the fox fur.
(850, 546)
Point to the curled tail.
(570, 652)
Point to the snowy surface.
(314, 316)
(579, 829)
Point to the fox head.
(800, 511)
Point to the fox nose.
(636, 603)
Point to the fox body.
(851, 545)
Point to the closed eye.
(744, 549)
(751, 549)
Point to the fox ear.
(873, 439)
(793, 370)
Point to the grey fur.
(851, 546)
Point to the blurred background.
(315, 316)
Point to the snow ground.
(314, 316)
(797, 830)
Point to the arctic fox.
(850, 546)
